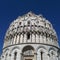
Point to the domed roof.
(31, 22)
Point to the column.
(18, 56)
(21, 56)
(33, 38)
(44, 39)
(9, 57)
(37, 38)
(24, 38)
(14, 39)
(2, 58)
(48, 56)
(17, 41)
(35, 56)
(12, 57)
(57, 57)
(19, 37)
(41, 39)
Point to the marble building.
(31, 37)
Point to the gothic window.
(15, 55)
(28, 35)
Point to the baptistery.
(30, 37)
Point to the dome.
(30, 37)
(30, 28)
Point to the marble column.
(35, 56)
(21, 56)
(12, 57)
(19, 37)
(25, 38)
(17, 41)
(33, 38)
(9, 56)
(18, 56)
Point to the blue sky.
(11, 9)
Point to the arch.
(14, 48)
(6, 53)
(27, 46)
(54, 50)
(41, 47)
(42, 53)
(53, 53)
(28, 52)
(15, 52)
(51, 48)
(6, 50)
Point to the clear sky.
(11, 9)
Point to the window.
(15, 55)
(49, 25)
(28, 51)
(28, 22)
(41, 55)
(29, 14)
(28, 35)
(52, 53)
(37, 22)
(19, 23)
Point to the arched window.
(41, 55)
(28, 22)
(28, 35)
(15, 55)
(28, 51)
(19, 23)
(52, 53)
